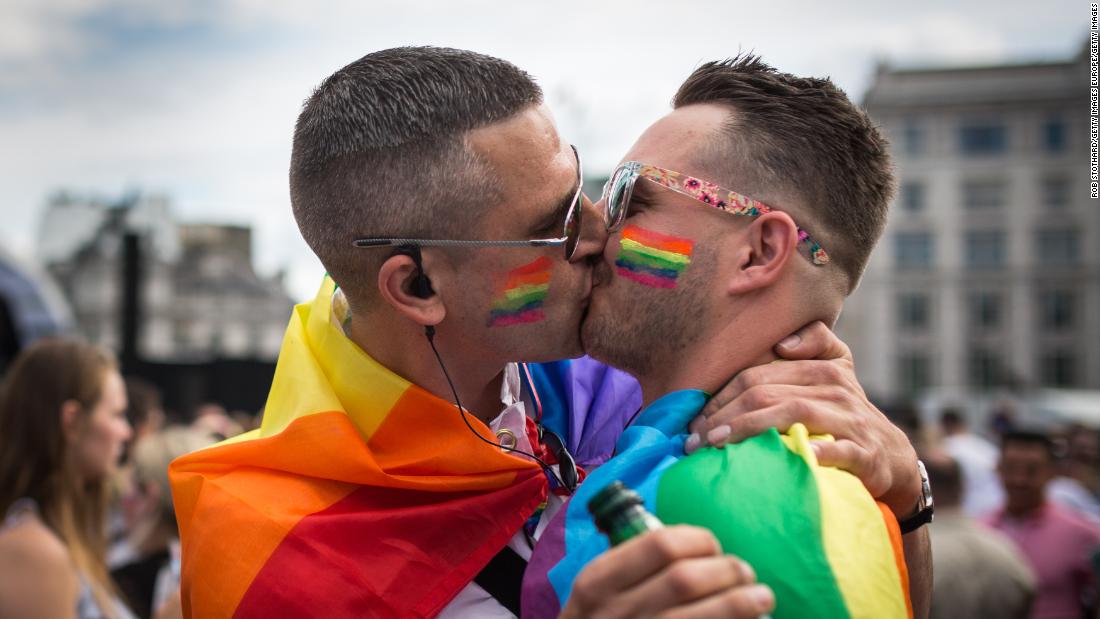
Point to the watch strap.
(916, 521)
(925, 508)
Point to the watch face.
(925, 487)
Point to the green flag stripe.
(743, 494)
(511, 304)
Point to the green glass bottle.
(619, 513)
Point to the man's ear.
(772, 239)
(397, 284)
(70, 420)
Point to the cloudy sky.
(197, 99)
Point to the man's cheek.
(650, 258)
(521, 294)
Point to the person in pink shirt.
(1058, 543)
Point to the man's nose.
(593, 235)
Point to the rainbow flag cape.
(587, 403)
(812, 533)
(361, 495)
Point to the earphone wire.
(413, 251)
(462, 411)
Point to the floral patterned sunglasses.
(618, 190)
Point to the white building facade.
(988, 275)
(199, 296)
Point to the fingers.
(820, 408)
(838, 373)
(814, 341)
(680, 570)
(689, 581)
(781, 417)
(624, 566)
(849, 456)
(752, 601)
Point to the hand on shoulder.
(816, 385)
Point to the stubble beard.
(644, 331)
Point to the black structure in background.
(236, 384)
(9, 337)
(130, 316)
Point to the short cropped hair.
(1032, 438)
(945, 475)
(379, 150)
(952, 419)
(805, 137)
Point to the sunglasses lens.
(618, 195)
(567, 467)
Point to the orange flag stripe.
(657, 240)
(254, 507)
(532, 279)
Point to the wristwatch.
(924, 508)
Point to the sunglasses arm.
(457, 243)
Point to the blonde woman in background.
(151, 579)
(62, 430)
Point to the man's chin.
(564, 344)
(591, 316)
(592, 337)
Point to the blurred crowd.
(86, 507)
(88, 517)
(1017, 525)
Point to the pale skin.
(37, 577)
(753, 286)
(535, 168)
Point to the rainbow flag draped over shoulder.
(361, 494)
(587, 403)
(812, 533)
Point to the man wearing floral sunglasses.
(697, 282)
(402, 450)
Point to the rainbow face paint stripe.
(652, 259)
(519, 300)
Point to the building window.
(1058, 369)
(983, 138)
(912, 196)
(913, 311)
(1058, 247)
(912, 137)
(983, 193)
(1055, 192)
(983, 368)
(985, 249)
(1057, 310)
(181, 334)
(1054, 135)
(985, 309)
(914, 372)
(913, 250)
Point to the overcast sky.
(197, 99)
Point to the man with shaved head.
(406, 461)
